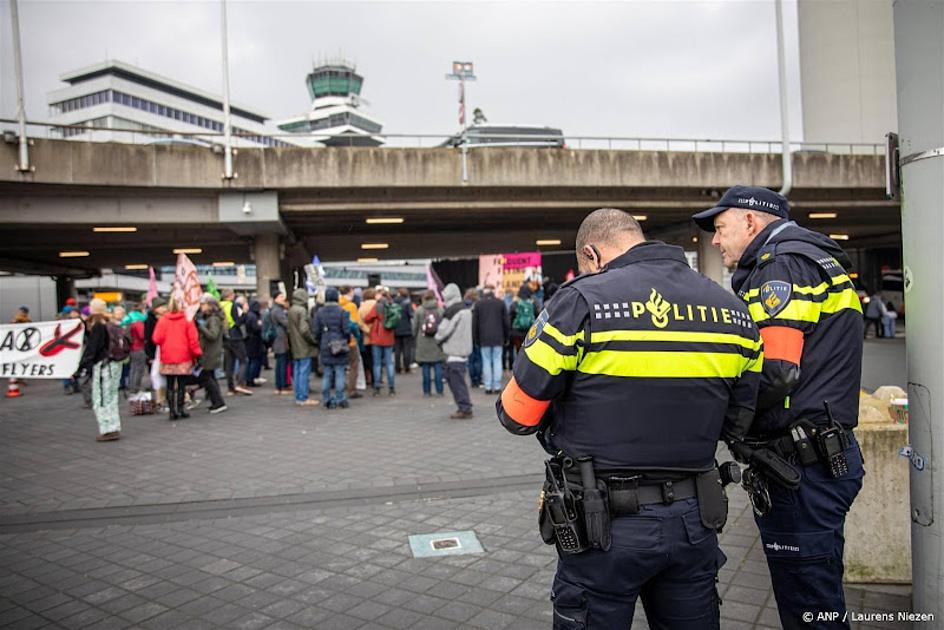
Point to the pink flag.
(152, 288)
(433, 283)
(187, 291)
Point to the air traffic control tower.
(336, 117)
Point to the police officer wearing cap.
(630, 376)
(796, 286)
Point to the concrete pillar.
(268, 258)
(65, 288)
(709, 258)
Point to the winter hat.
(332, 294)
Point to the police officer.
(797, 289)
(631, 374)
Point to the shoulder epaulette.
(799, 248)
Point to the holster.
(544, 523)
(712, 500)
(596, 506)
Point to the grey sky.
(652, 69)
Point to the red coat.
(177, 338)
(379, 336)
(137, 336)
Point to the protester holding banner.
(105, 373)
(176, 336)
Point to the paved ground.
(270, 516)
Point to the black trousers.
(176, 388)
(403, 353)
(233, 350)
(207, 381)
(455, 377)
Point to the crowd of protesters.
(356, 340)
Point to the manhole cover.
(444, 544)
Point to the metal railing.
(214, 141)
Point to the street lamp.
(462, 71)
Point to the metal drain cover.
(445, 544)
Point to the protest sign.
(41, 349)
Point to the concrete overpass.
(304, 201)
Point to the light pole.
(462, 71)
(22, 163)
(786, 157)
(227, 124)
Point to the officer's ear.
(591, 253)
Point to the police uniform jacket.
(797, 288)
(645, 364)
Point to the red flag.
(152, 288)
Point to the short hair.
(489, 287)
(403, 291)
(765, 218)
(429, 295)
(472, 294)
(345, 289)
(607, 225)
(369, 294)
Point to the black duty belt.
(628, 492)
(786, 446)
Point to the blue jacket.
(332, 323)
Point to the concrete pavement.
(272, 516)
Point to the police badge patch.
(775, 295)
(536, 329)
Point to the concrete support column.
(65, 288)
(268, 258)
(709, 258)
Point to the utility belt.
(809, 443)
(806, 443)
(629, 491)
(578, 502)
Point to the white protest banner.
(187, 291)
(41, 349)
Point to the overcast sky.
(637, 69)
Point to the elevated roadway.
(293, 202)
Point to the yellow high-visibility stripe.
(808, 311)
(847, 299)
(674, 335)
(756, 364)
(817, 290)
(561, 338)
(543, 355)
(629, 363)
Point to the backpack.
(392, 314)
(431, 321)
(524, 316)
(119, 344)
(269, 329)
